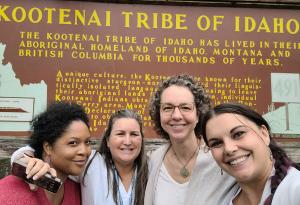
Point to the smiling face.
(239, 146)
(70, 152)
(179, 124)
(125, 141)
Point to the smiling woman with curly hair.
(61, 137)
(182, 172)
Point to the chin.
(179, 138)
(127, 162)
(75, 172)
(242, 177)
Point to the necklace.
(133, 181)
(184, 172)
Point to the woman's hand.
(36, 168)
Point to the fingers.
(25, 158)
(52, 172)
(28, 154)
(33, 187)
(36, 168)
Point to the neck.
(61, 175)
(252, 190)
(124, 169)
(126, 173)
(55, 198)
(185, 148)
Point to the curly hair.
(201, 98)
(140, 162)
(51, 124)
(282, 161)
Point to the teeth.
(126, 149)
(238, 161)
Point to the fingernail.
(27, 155)
(34, 177)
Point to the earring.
(48, 159)
(206, 148)
(222, 172)
(271, 155)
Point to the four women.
(183, 171)
(241, 143)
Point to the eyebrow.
(125, 131)
(168, 103)
(117, 130)
(74, 137)
(79, 138)
(233, 129)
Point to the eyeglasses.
(184, 108)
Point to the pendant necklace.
(184, 172)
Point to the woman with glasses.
(182, 172)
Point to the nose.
(127, 139)
(84, 149)
(176, 113)
(229, 147)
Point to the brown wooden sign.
(112, 56)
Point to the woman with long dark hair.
(241, 143)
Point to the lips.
(80, 162)
(126, 150)
(177, 124)
(238, 161)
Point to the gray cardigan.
(206, 186)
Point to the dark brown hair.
(202, 100)
(282, 161)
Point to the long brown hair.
(282, 161)
(140, 162)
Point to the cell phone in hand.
(47, 181)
